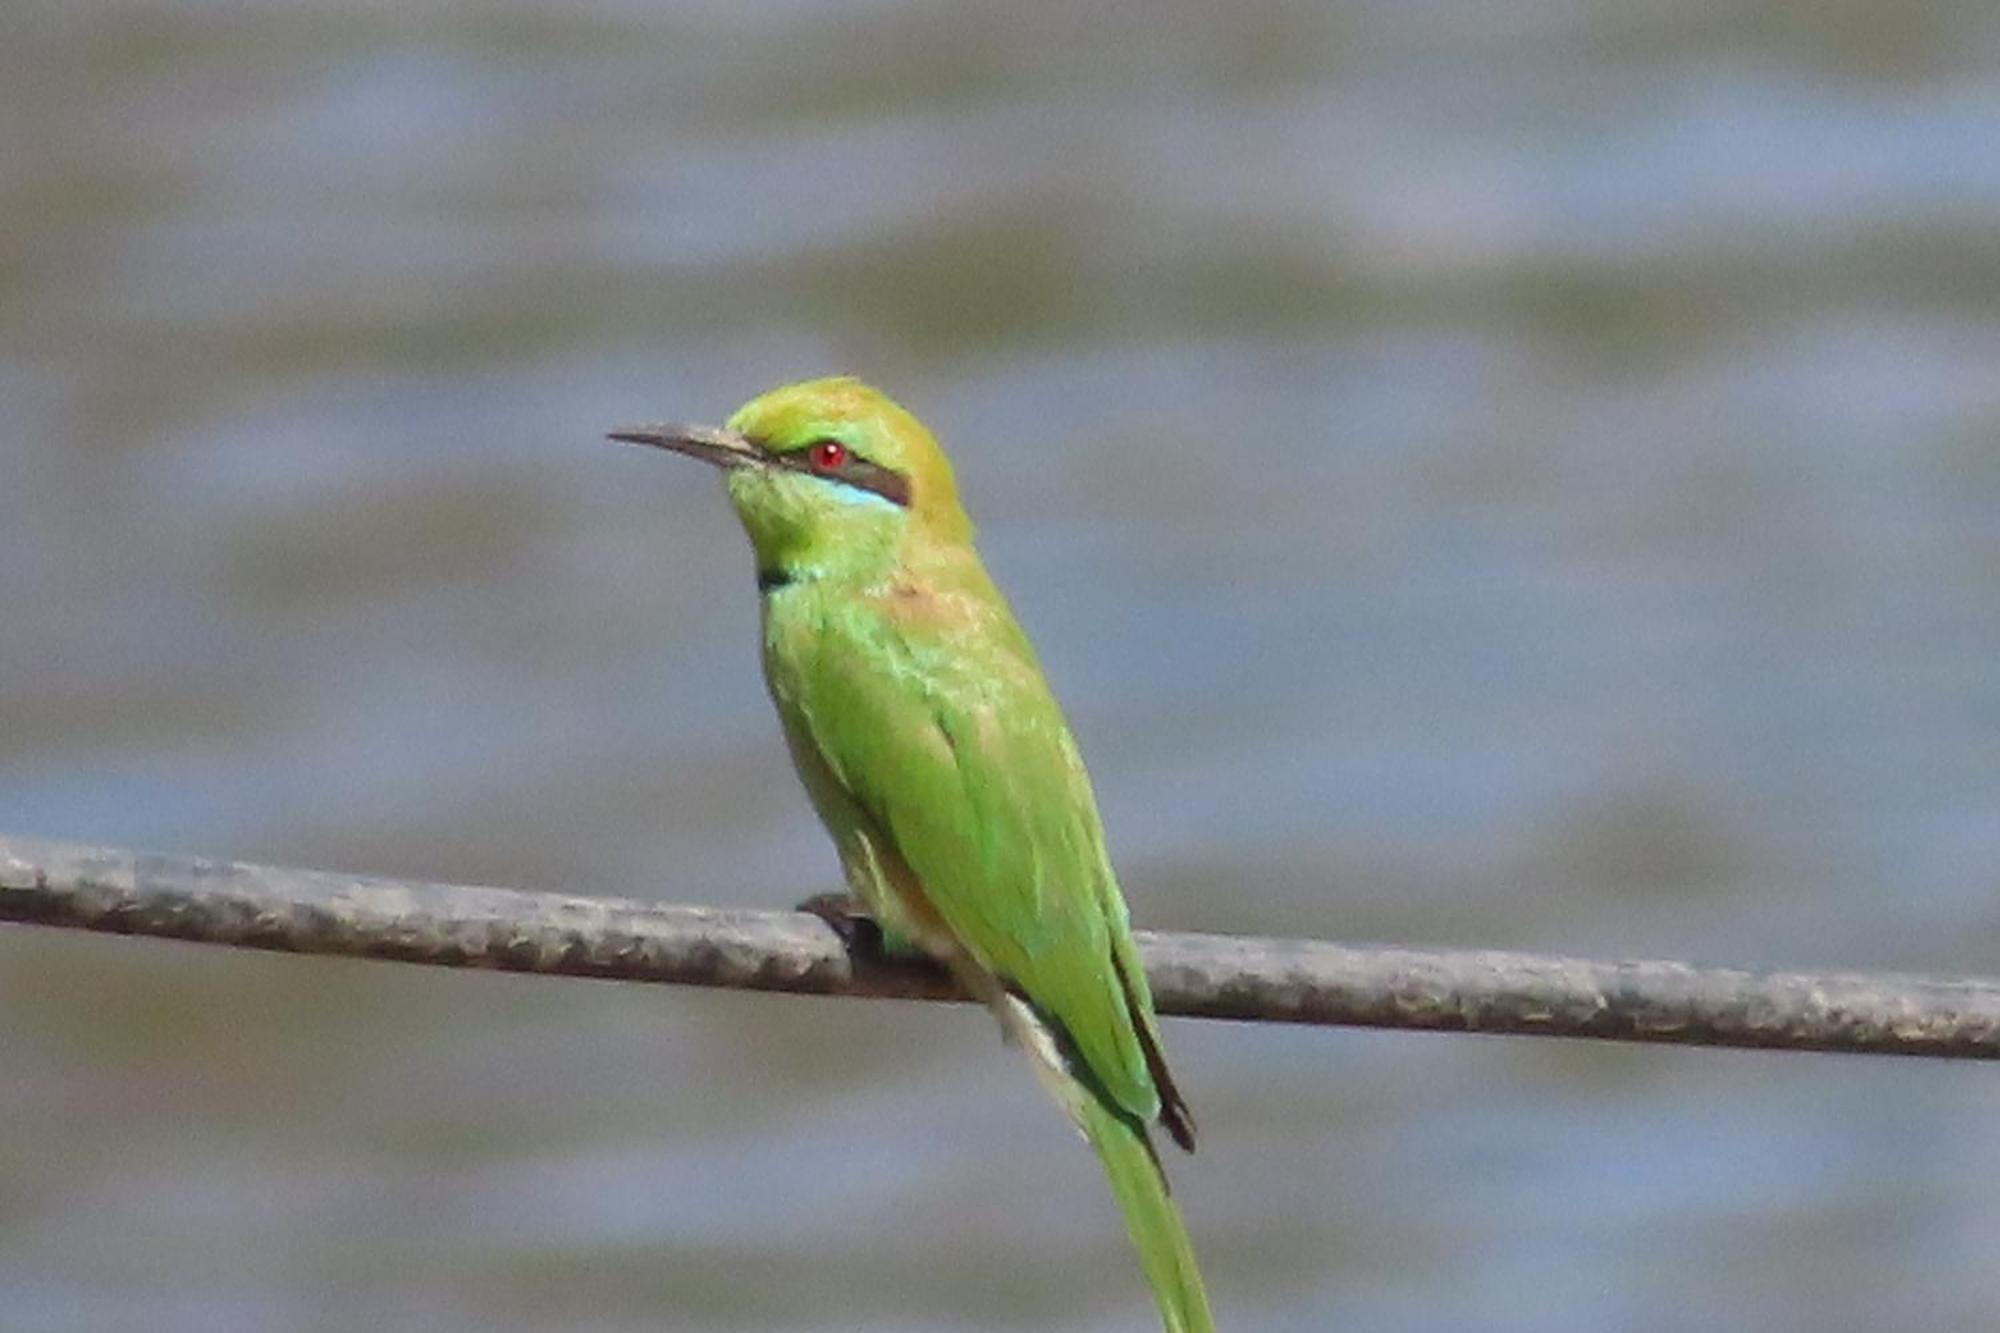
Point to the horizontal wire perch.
(1200, 976)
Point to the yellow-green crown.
(872, 425)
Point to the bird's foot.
(865, 934)
(851, 920)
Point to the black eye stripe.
(855, 471)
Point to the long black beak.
(711, 444)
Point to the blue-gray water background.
(1521, 475)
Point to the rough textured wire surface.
(1208, 976)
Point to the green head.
(830, 477)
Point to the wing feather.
(951, 743)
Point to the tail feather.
(1151, 1217)
(1119, 1139)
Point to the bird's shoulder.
(941, 630)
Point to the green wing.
(945, 735)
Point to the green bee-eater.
(940, 763)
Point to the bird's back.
(927, 735)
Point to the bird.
(942, 767)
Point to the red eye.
(828, 455)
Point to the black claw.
(850, 920)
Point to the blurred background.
(1515, 475)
